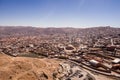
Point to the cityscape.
(59, 39)
(78, 53)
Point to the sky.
(60, 13)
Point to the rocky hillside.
(21, 68)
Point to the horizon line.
(55, 26)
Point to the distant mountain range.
(6, 31)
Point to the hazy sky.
(60, 13)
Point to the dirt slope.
(22, 68)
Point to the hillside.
(21, 68)
(10, 31)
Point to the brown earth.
(23, 68)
